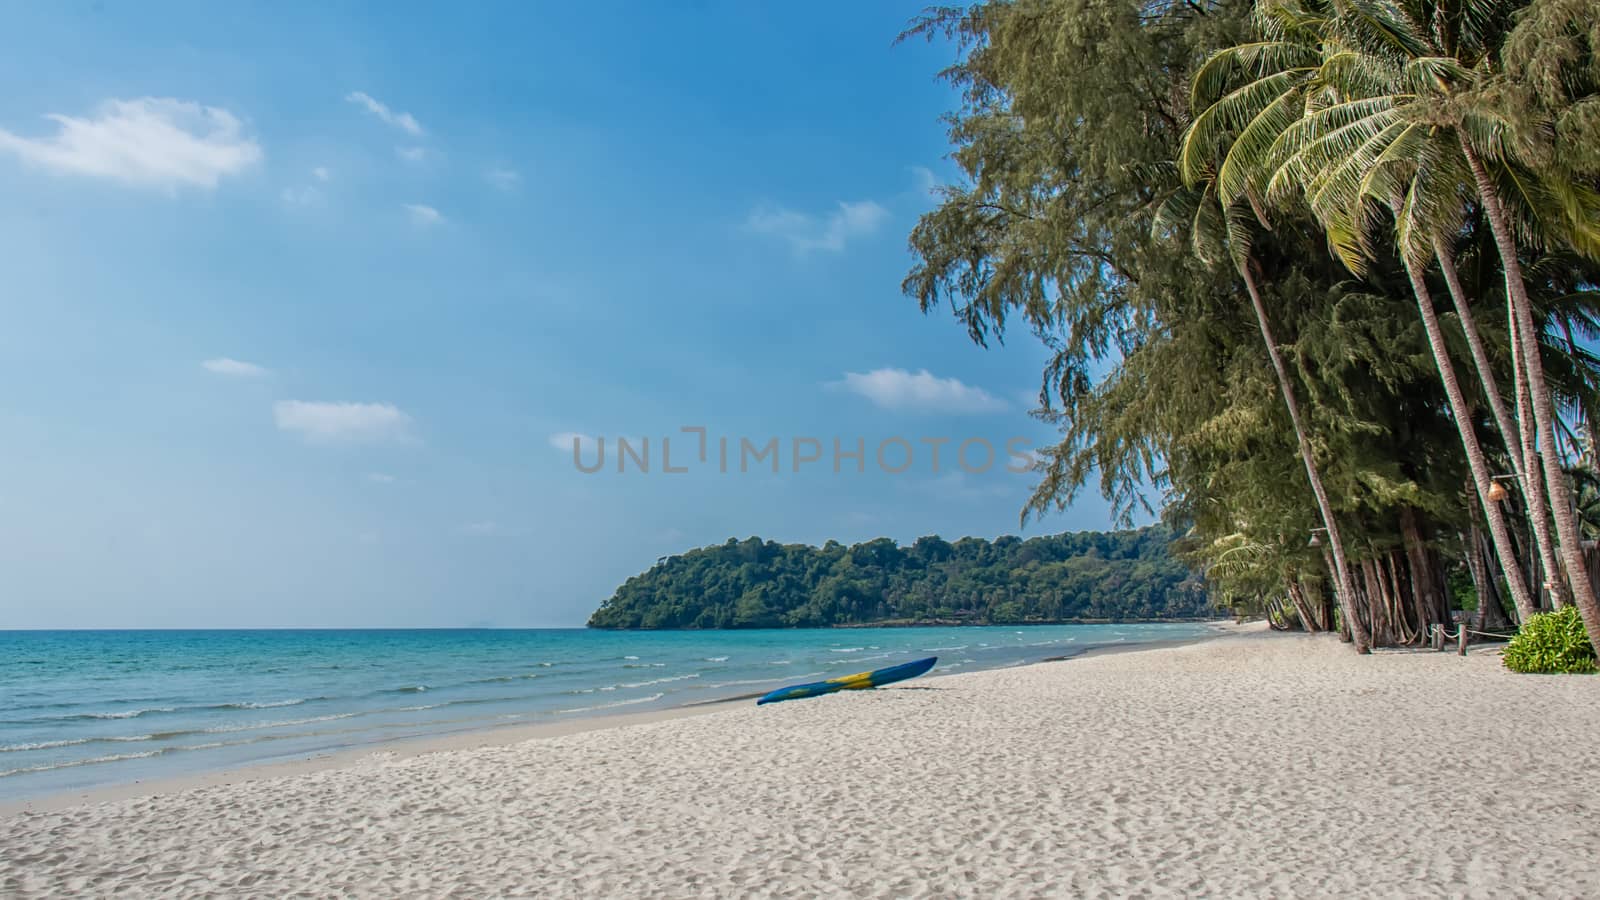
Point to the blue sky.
(301, 303)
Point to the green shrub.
(1551, 643)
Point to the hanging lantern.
(1497, 492)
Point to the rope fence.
(1459, 635)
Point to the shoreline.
(492, 736)
(1149, 771)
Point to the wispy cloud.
(926, 182)
(960, 485)
(150, 141)
(806, 233)
(423, 215)
(300, 196)
(342, 423)
(415, 155)
(401, 120)
(380, 478)
(321, 173)
(222, 365)
(563, 441)
(899, 389)
(504, 179)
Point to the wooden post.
(1437, 636)
(1461, 639)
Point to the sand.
(1251, 765)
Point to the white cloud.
(304, 195)
(150, 141)
(504, 179)
(806, 233)
(401, 120)
(414, 155)
(563, 441)
(926, 182)
(380, 478)
(961, 485)
(321, 173)
(342, 423)
(423, 216)
(902, 390)
(222, 365)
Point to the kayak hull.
(856, 682)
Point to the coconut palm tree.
(1278, 121)
(1405, 177)
(1396, 80)
(1215, 232)
(1406, 77)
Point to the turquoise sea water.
(90, 708)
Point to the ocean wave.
(271, 704)
(502, 679)
(285, 723)
(640, 684)
(935, 649)
(857, 659)
(613, 705)
(65, 704)
(75, 742)
(743, 681)
(847, 650)
(780, 678)
(80, 717)
(156, 710)
(115, 757)
(630, 657)
(128, 713)
(714, 659)
(120, 757)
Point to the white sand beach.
(1251, 765)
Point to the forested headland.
(1099, 576)
(1319, 280)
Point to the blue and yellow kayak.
(856, 682)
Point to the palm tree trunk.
(1510, 433)
(1341, 576)
(1533, 483)
(1480, 356)
(1469, 441)
(1517, 294)
(1491, 614)
(1343, 619)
